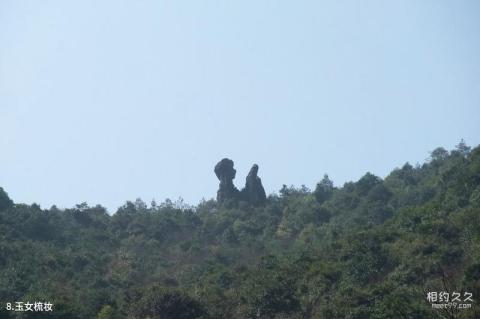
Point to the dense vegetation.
(370, 249)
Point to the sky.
(108, 101)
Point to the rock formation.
(226, 173)
(254, 192)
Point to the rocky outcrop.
(226, 173)
(254, 192)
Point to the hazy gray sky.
(107, 101)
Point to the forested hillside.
(372, 248)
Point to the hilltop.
(372, 248)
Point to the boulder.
(254, 193)
(226, 173)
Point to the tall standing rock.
(254, 192)
(226, 173)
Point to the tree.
(5, 201)
(439, 154)
(462, 148)
(270, 291)
(366, 183)
(324, 189)
(106, 312)
(162, 303)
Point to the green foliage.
(369, 249)
(105, 313)
(161, 303)
(324, 189)
(5, 201)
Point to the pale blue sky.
(107, 101)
